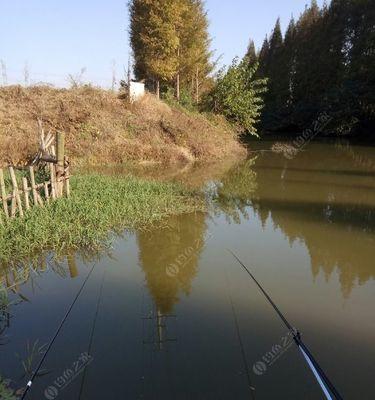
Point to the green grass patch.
(98, 206)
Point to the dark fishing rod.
(34, 375)
(327, 387)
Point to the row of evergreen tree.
(171, 45)
(325, 63)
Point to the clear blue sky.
(59, 37)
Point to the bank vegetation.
(99, 207)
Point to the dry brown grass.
(101, 128)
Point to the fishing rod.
(35, 373)
(327, 387)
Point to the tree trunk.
(158, 89)
(178, 87)
(129, 73)
(178, 78)
(197, 86)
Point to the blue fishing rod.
(326, 385)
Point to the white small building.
(136, 91)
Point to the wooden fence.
(18, 195)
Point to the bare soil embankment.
(102, 128)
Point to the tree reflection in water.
(161, 247)
(324, 201)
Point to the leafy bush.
(186, 99)
(237, 95)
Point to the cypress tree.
(263, 59)
(307, 73)
(361, 85)
(335, 42)
(170, 43)
(286, 78)
(154, 39)
(273, 97)
(195, 55)
(251, 54)
(327, 64)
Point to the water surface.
(169, 314)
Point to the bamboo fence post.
(32, 178)
(16, 192)
(19, 199)
(46, 192)
(26, 192)
(60, 157)
(67, 183)
(3, 194)
(13, 205)
(53, 180)
(40, 200)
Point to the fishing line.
(143, 367)
(325, 384)
(243, 353)
(92, 331)
(29, 384)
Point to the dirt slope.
(102, 128)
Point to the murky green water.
(169, 314)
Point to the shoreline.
(99, 206)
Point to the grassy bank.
(98, 205)
(102, 128)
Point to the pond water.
(169, 314)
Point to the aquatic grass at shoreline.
(99, 205)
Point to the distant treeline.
(325, 63)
